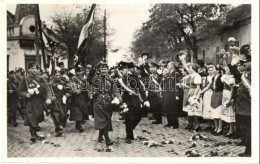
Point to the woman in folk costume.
(227, 112)
(195, 105)
(216, 100)
(207, 93)
(12, 99)
(57, 110)
(34, 90)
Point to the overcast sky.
(125, 19)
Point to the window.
(24, 43)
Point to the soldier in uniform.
(12, 99)
(34, 89)
(79, 98)
(19, 73)
(57, 110)
(105, 94)
(133, 96)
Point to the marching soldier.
(19, 73)
(133, 95)
(78, 99)
(34, 89)
(57, 87)
(12, 99)
(105, 94)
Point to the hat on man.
(78, 69)
(131, 65)
(31, 65)
(155, 65)
(60, 64)
(102, 65)
(122, 65)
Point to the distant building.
(21, 47)
(238, 25)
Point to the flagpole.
(37, 36)
(41, 39)
(105, 46)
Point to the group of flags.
(49, 38)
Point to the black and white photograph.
(93, 80)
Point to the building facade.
(240, 28)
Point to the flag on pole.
(82, 43)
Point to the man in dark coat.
(12, 99)
(134, 95)
(34, 90)
(105, 94)
(79, 98)
(154, 95)
(242, 99)
(172, 103)
(57, 108)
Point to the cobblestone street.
(75, 144)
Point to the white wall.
(242, 34)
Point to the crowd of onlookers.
(218, 95)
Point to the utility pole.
(105, 46)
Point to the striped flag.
(82, 43)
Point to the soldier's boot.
(33, 134)
(38, 128)
(108, 140)
(100, 136)
(128, 137)
(79, 126)
(132, 135)
(58, 131)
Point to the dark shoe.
(235, 136)
(131, 137)
(33, 139)
(188, 127)
(229, 135)
(100, 139)
(109, 142)
(174, 127)
(218, 133)
(207, 129)
(38, 128)
(59, 132)
(198, 129)
(167, 125)
(128, 141)
(39, 137)
(83, 122)
(240, 143)
(81, 130)
(213, 132)
(156, 122)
